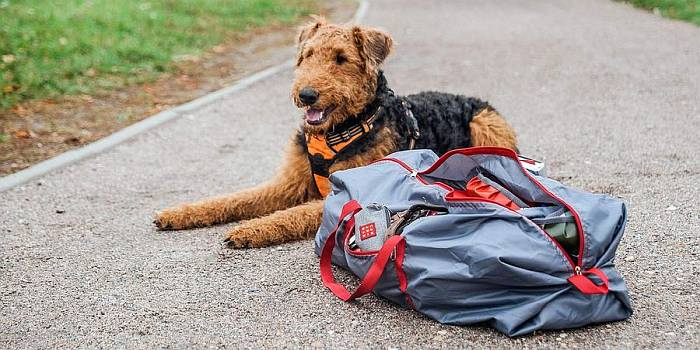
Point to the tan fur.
(488, 128)
(293, 224)
(289, 208)
(291, 187)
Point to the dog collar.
(323, 150)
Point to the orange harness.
(323, 150)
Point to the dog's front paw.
(248, 235)
(163, 220)
(238, 239)
(174, 219)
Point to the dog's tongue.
(314, 115)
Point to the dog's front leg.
(290, 187)
(293, 224)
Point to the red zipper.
(512, 155)
(575, 266)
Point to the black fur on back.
(443, 120)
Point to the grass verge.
(686, 10)
(66, 47)
(35, 129)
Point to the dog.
(350, 119)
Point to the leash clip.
(412, 123)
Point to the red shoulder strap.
(373, 274)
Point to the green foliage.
(686, 10)
(52, 48)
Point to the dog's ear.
(307, 31)
(372, 44)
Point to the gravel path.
(607, 95)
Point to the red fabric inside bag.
(477, 188)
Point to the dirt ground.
(40, 129)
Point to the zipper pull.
(577, 270)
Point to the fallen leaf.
(87, 98)
(186, 58)
(23, 134)
(9, 58)
(19, 110)
(219, 49)
(10, 88)
(72, 140)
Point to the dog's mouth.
(316, 116)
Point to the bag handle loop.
(373, 274)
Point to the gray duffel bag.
(472, 237)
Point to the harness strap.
(412, 122)
(322, 150)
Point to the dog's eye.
(340, 58)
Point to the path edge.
(73, 156)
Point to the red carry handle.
(586, 286)
(373, 274)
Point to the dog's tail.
(488, 128)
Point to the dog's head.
(336, 71)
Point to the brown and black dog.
(351, 118)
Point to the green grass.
(50, 48)
(686, 10)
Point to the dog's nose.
(308, 96)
